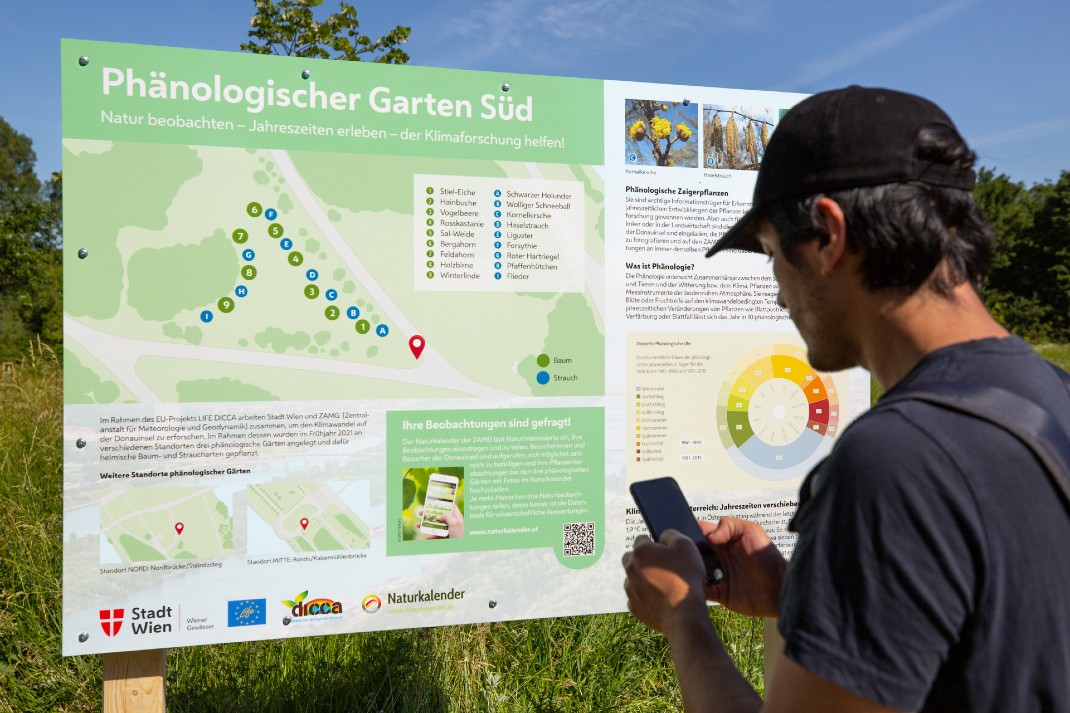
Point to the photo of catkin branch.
(660, 133)
(735, 137)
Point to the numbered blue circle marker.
(312, 275)
(331, 294)
(286, 244)
(497, 245)
(382, 330)
(497, 266)
(352, 313)
(497, 194)
(632, 157)
(497, 224)
(248, 254)
(271, 214)
(206, 316)
(497, 276)
(543, 377)
(497, 214)
(497, 256)
(497, 233)
(497, 204)
(241, 290)
(709, 161)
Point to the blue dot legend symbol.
(497, 194)
(497, 276)
(543, 377)
(271, 214)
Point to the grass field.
(594, 663)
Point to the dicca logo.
(314, 607)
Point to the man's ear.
(833, 240)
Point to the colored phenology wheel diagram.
(774, 412)
(248, 272)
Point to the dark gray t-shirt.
(932, 570)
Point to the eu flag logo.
(246, 612)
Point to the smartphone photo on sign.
(439, 500)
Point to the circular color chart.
(774, 412)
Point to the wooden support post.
(134, 681)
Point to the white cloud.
(816, 70)
(559, 32)
(1025, 132)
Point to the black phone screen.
(664, 507)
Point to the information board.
(355, 347)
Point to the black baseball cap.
(844, 138)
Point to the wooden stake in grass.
(134, 681)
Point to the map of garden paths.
(309, 516)
(220, 274)
(147, 524)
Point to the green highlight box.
(527, 479)
(124, 92)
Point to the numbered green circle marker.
(332, 312)
(430, 253)
(429, 234)
(275, 230)
(240, 235)
(430, 201)
(248, 272)
(363, 326)
(430, 222)
(312, 292)
(430, 243)
(430, 211)
(225, 304)
(254, 209)
(430, 274)
(430, 263)
(296, 258)
(430, 190)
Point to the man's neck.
(911, 327)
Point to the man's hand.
(664, 581)
(754, 568)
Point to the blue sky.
(999, 69)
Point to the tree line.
(1028, 289)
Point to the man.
(932, 570)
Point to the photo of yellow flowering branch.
(735, 138)
(660, 133)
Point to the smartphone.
(439, 500)
(664, 507)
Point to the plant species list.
(478, 234)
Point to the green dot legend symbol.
(775, 414)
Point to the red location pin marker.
(179, 527)
(304, 523)
(416, 345)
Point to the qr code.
(579, 538)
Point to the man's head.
(899, 170)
